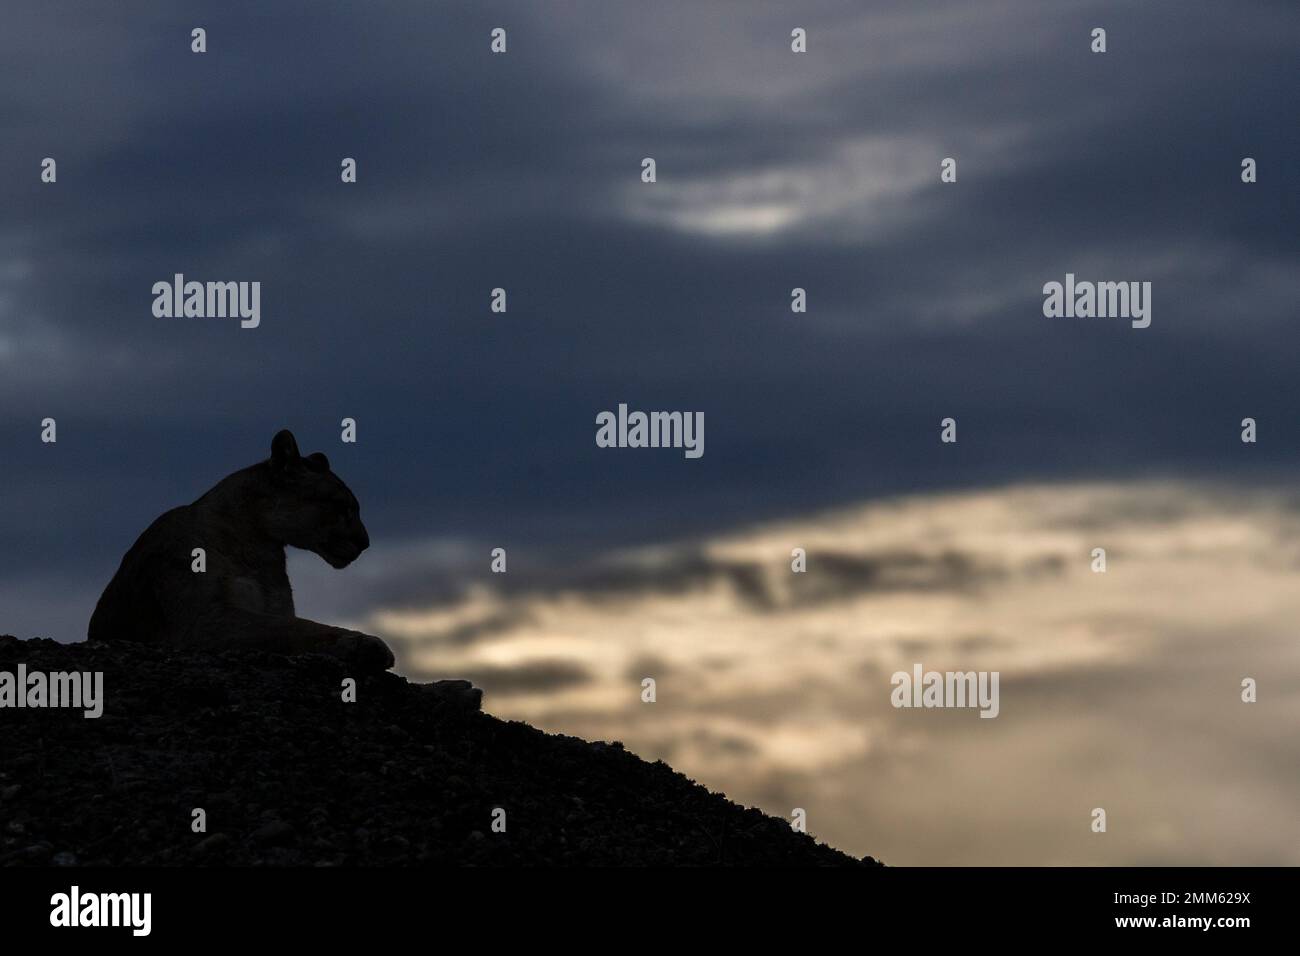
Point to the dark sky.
(776, 170)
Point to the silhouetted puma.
(243, 598)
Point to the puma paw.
(460, 694)
(363, 651)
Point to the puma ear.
(318, 459)
(284, 449)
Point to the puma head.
(310, 507)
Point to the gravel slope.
(288, 774)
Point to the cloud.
(858, 191)
(1118, 689)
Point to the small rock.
(37, 853)
(275, 833)
(214, 842)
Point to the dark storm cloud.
(840, 576)
(522, 171)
